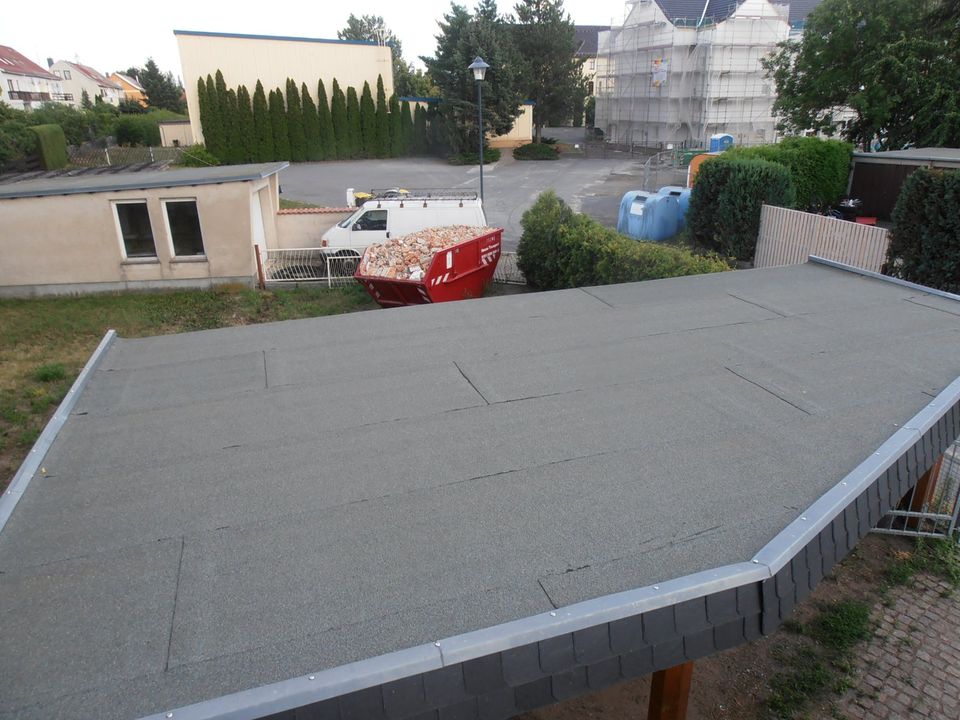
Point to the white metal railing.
(789, 237)
(331, 265)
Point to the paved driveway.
(510, 186)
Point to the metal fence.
(335, 266)
(788, 237)
(931, 508)
(109, 156)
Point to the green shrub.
(490, 155)
(925, 242)
(137, 130)
(535, 151)
(819, 168)
(725, 205)
(52, 144)
(17, 144)
(50, 372)
(560, 249)
(197, 156)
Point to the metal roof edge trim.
(29, 467)
(791, 540)
(285, 38)
(296, 692)
(886, 278)
(307, 689)
(151, 185)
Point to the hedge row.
(52, 146)
(725, 204)
(819, 168)
(536, 151)
(925, 242)
(562, 249)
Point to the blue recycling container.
(648, 216)
(682, 194)
(720, 142)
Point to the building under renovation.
(679, 71)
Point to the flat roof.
(236, 507)
(927, 154)
(285, 38)
(142, 180)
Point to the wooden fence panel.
(788, 237)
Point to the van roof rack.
(422, 194)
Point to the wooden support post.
(669, 693)
(261, 280)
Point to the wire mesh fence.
(507, 271)
(110, 156)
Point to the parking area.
(594, 186)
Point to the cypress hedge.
(561, 249)
(421, 134)
(52, 145)
(925, 243)
(231, 128)
(397, 138)
(298, 139)
(725, 204)
(245, 126)
(406, 128)
(368, 123)
(213, 125)
(278, 120)
(262, 125)
(311, 124)
(328, 145)
(382, 144)
(354, 137)
(338, 116)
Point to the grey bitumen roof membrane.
(230, 508)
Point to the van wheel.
(344, 263)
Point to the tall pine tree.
(298, 139)
(421, 135)
(354, 136)
(311, 124)
(213, 128)
(338, 116)
(368, 123)
(396, 128)
(248, 135)
(383, 122)
(406, 129)
(328, 149)
(203, 104)
(231, 127)
(278, 120)
(262, 125)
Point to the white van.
(391, 213)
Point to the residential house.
(132, 90)
(586, 37)
(244, 59)
(77, 78)
(24, 84)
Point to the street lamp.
(479, 68)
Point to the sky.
(99, 35)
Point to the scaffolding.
(665, 80)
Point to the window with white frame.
(136, 234)
(66, 75)
(183, 222)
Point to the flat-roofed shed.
(472, 508)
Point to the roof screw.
(170, 715)
(803, 518)
(755, 561)
(437, 643)
(656, 587)
(553, 613)
(311, 677)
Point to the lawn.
(45, 342)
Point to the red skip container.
(461, 271)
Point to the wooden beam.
(669, 693)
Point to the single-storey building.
(175, 133)
(876, 177)
(243, 59)
(191, 227)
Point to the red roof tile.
(316, 211)
(14, 63)
(98, 78)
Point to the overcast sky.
(109, 37)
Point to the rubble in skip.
(408, 257)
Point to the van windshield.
(350, 220)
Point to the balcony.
(28, 96)
(62, 97)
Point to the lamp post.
(479, 68)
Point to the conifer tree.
(231, 126)
(382, 146)
(223, 109)
(311, 124)
(338, 116)
(204, 106)
(278, 120)
(396, 128)
(421, 141)
(406, 129)
(213, 130)
(368, 123)
(328, 149)
(298, 140)
(248, 136)
(262, 125)
(353, 123)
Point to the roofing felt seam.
(299, 529)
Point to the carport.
(463, 510)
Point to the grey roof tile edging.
(32, 463)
